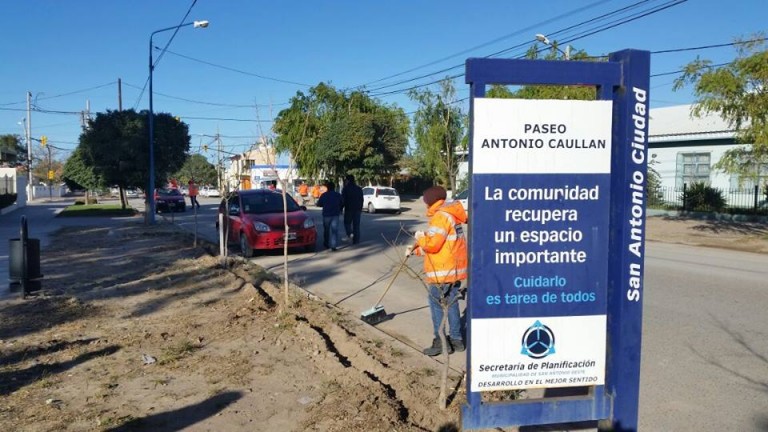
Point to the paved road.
(705, 338)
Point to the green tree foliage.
(439, 129)
(198, 168)
(80, 175)
(115, 145)
(12, 150)
(547, 91)
(738, 92)
(332, 133)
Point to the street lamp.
(151, 189)
(543, 39)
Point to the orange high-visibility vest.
(444, 245)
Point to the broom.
(377, 314)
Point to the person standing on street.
(315, 193)
(193, 194)
(352, 195)
(332, 204)
(444, 247)
(303, 192)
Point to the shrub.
(90, 201)
(702, 197)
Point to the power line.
(491, 42)
(238, 70)
(614, 24)
(195, 101)
(709, 46)
(586, 22)
(151, 66)
(225, 119)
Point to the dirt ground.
(139, 331)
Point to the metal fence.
(709, 199)
(7, 185)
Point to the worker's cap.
(434, 194)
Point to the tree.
(115, 146)
(547, 91)
(438, 130)
(737, 92)
(11, 150)
(198, 168)
(331, 133)
(79, 175)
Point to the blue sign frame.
(624, 80)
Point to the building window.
(692, 168)
(747, 181)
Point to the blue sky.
(70, 52)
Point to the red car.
(255, 220)
(169, 200)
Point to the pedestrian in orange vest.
(444, 248)
(315, 192)
(303, 192)
(193, 194)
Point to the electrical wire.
(491, 42)
(231, 69)
(152, 65)
(614, 24)
(526, 43)
(195, 101)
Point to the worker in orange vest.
(444, 248)
(315, 192)
(193, 194)
(303, 192)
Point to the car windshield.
(168, 192)
(267, 203)
(462, 195)
(387, 192)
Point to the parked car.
(255, 220)
(210, 191)
(463, 198)
(184, 190)
(170, 200)
(377, 198)
(132, 193)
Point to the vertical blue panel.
(625, 277)
(620, 404)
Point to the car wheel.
(245, 248)
(371, 208)
(311, 248)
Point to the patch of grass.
(397, 352)
(175, 352)
(97, 210)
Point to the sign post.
(556, 251)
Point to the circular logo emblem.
(538, 341)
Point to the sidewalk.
(41, 223)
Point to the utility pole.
(219, 167)
(29, 146)
(119, 94)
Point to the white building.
(256, 168)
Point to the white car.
(209, 191)
(377, 198)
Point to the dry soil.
(137, 330)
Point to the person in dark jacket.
(332, 204)
(352, 195)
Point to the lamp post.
(151, 188)
(543, 39)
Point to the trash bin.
(24, 262)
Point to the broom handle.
(391, 281)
